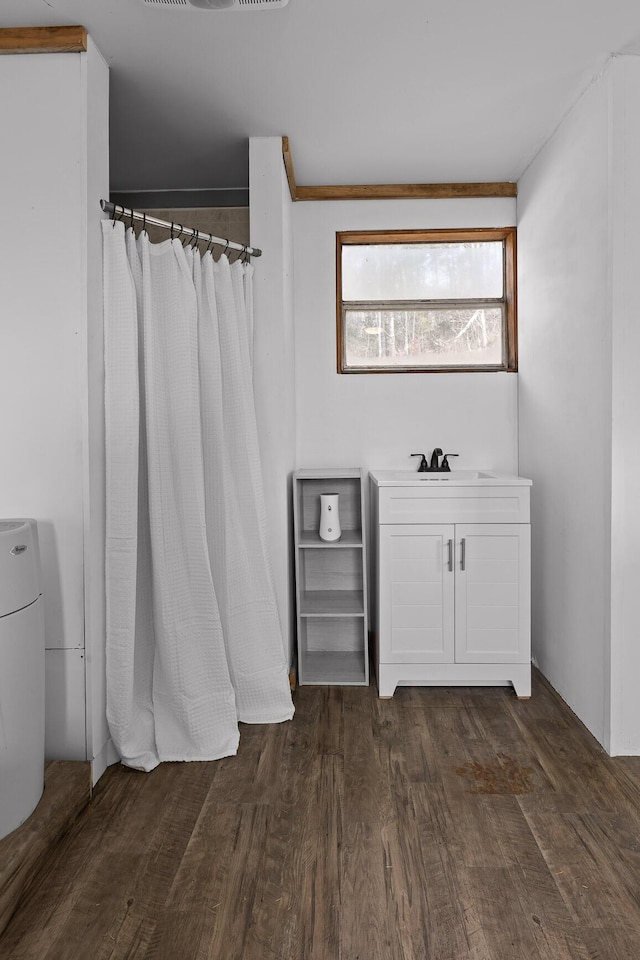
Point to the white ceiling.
(368, 91)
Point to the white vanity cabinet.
(452, 580)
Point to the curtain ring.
(171, 230)
(224, 252)
(144, 223)
(194, 239)
(209, 244)
(131, 217)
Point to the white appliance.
(21, 674)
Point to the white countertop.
(457, 478)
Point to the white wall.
(273, 361)
(53, 169)
(565, 388)
(578, 207)
(95, 185)
(323, 419)
(624, 716)
(378, 420)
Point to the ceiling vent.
(218, 4)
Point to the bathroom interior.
(566, 419)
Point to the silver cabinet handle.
(450, 556)
(463, 551)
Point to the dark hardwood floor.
(440, 825)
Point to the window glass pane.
(423, 271)
(435, 337)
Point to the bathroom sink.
(453, 477)
(456, 475)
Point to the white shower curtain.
(194, 642)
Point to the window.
(427, 300)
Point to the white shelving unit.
(331, 581)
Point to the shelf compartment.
(333, 650)
(330, 570)
(331, 603)
(350, 509)
(349, 538)
(343, 669)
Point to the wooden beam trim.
(408, 191)
(43, 40)
(393, 191)
(288, 166)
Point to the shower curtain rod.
(125, 213)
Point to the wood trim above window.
(392, 191)
(407, 191)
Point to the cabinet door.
(416, 593)
(493, 605)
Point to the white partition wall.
(273, 359)
(53, 171)
(579, 254)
